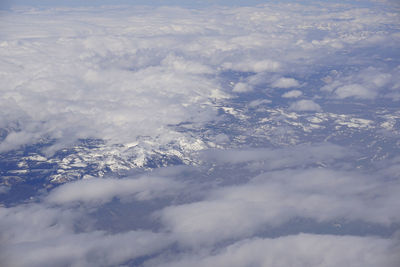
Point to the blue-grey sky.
(6, 4)
(193, 3)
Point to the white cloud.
(184, 66)
(354, 90)
(305, 105)
(199, 212)
(253, 66)
(259, 102)
(303, 250)
(368, 83)
(283, 157)
(242, 88)
(222, 138)
(86, 80)
(83, 249)
(292, 94)
(100, 191)
(82, 83)
(271, 199)
(285, 83)
(126, 76)
(52, 235)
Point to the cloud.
(85, 80)
(288, 183)
(292, 94)
(305, 105)
(65, 234)
(83, 249)
(185, 66)
(90, 84)
(100, 191)
(273, 198)
(259, 102)
(150, 84)
(241, 88)
(299, 250)
(368, 83)
(279, 158)
(236, 197)
(254, 66)
(285, 83)
(354, 90)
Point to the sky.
(265, 135)
(182, 3)
(76, 3)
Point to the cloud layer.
(101, 73)
(250, 208)
(282, 114)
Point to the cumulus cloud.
(369, 83)
(156, 80)
(103, 190)
(86, 80)
(241, 88)
(354, 90)
(283, 157)
(305, 105)
(300, 250)
(98, 85)
(275, 198)
(65, 234)
(198, 211)
(253, 66)
(292, 94)
(259, 102)
(285, 83)
(80, 249)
